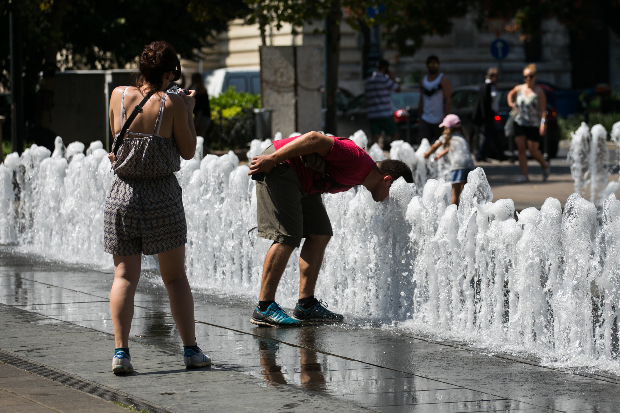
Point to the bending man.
(298, 170)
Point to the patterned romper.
(144, 208)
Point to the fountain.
(588, 156)
(545, 283)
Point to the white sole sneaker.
(121, 364)
(195, 360)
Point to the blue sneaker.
(274, 316)
(121, 364)
(318, 314)
(195, 360)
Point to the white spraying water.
(588, 155)
(544, 284)
(376, 153)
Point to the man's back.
(378, 88)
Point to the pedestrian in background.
(378, 88)
(485, 111)
(436, 93)
(202, 110)
(530, 104)
(143, 211)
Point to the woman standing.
(530, 121)
(144, 209)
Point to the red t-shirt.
(347, 165)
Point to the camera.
(176, 89)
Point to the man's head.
(492, 74)
(383, 66)
(390, 170)
(432, 64)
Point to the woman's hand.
(543, 129)
(112, 157)
(189, 100)
(427, 155)
(261, 163)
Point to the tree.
(103, 34)
(405, 23)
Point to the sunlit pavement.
(58, 316)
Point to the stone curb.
(86, 386)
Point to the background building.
(563, 59)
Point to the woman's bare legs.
(533, 148)
(172, 268)
(521, 147)
(126, 277)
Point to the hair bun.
(157, 59)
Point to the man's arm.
(391, 76)
(420, 103)
(312, 142)
(447, 95)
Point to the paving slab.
(49, 310)
(22, 391)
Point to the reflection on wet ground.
(380, 369)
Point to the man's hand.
(111, 157)
(427, 155)
(261, 163)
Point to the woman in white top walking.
(530, 122)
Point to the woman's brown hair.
(157, 59)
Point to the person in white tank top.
(436, 91)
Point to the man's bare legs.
(310, 261)
(172, 268)
(126, 277)
(275, 264)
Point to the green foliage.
(569, 125)
(103, 34)
(231, 103)
(7, 148)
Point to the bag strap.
(138, 109)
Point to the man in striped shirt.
(379, 87)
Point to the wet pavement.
(58, 315)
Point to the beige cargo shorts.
(285, 211)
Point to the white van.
(244, 79)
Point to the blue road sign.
(499, 49)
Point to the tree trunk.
(332, 64)
(45, 101)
